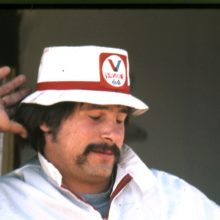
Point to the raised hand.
(8, 98)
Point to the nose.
(113, 133)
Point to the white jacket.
(34, 192)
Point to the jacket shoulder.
(182, 195)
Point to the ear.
(45, 128)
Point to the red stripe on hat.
(73, 85)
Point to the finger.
(11, 126)
(17, 128)
(13, 84)
(4, 71)
(15, 97)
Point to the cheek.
(120, 136)
(76, 138)
(123, 135)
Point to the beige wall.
(174, 56)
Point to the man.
(76, 121)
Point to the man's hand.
(8, 98)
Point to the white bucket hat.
(90, 74)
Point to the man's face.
(88, 143)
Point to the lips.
(103, 149)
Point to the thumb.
(17, 128)
(7, 125)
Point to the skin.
(88, 124)
(8, 98)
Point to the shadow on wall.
(135, 132)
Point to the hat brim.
(50, 97)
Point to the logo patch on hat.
(113, 69)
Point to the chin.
(103, 173)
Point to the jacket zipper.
(126, 179)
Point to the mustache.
(102, 148)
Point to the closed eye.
(121, 119)
(95, 118)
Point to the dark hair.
(31, 116)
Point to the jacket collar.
(131, 164)
(50, 170)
